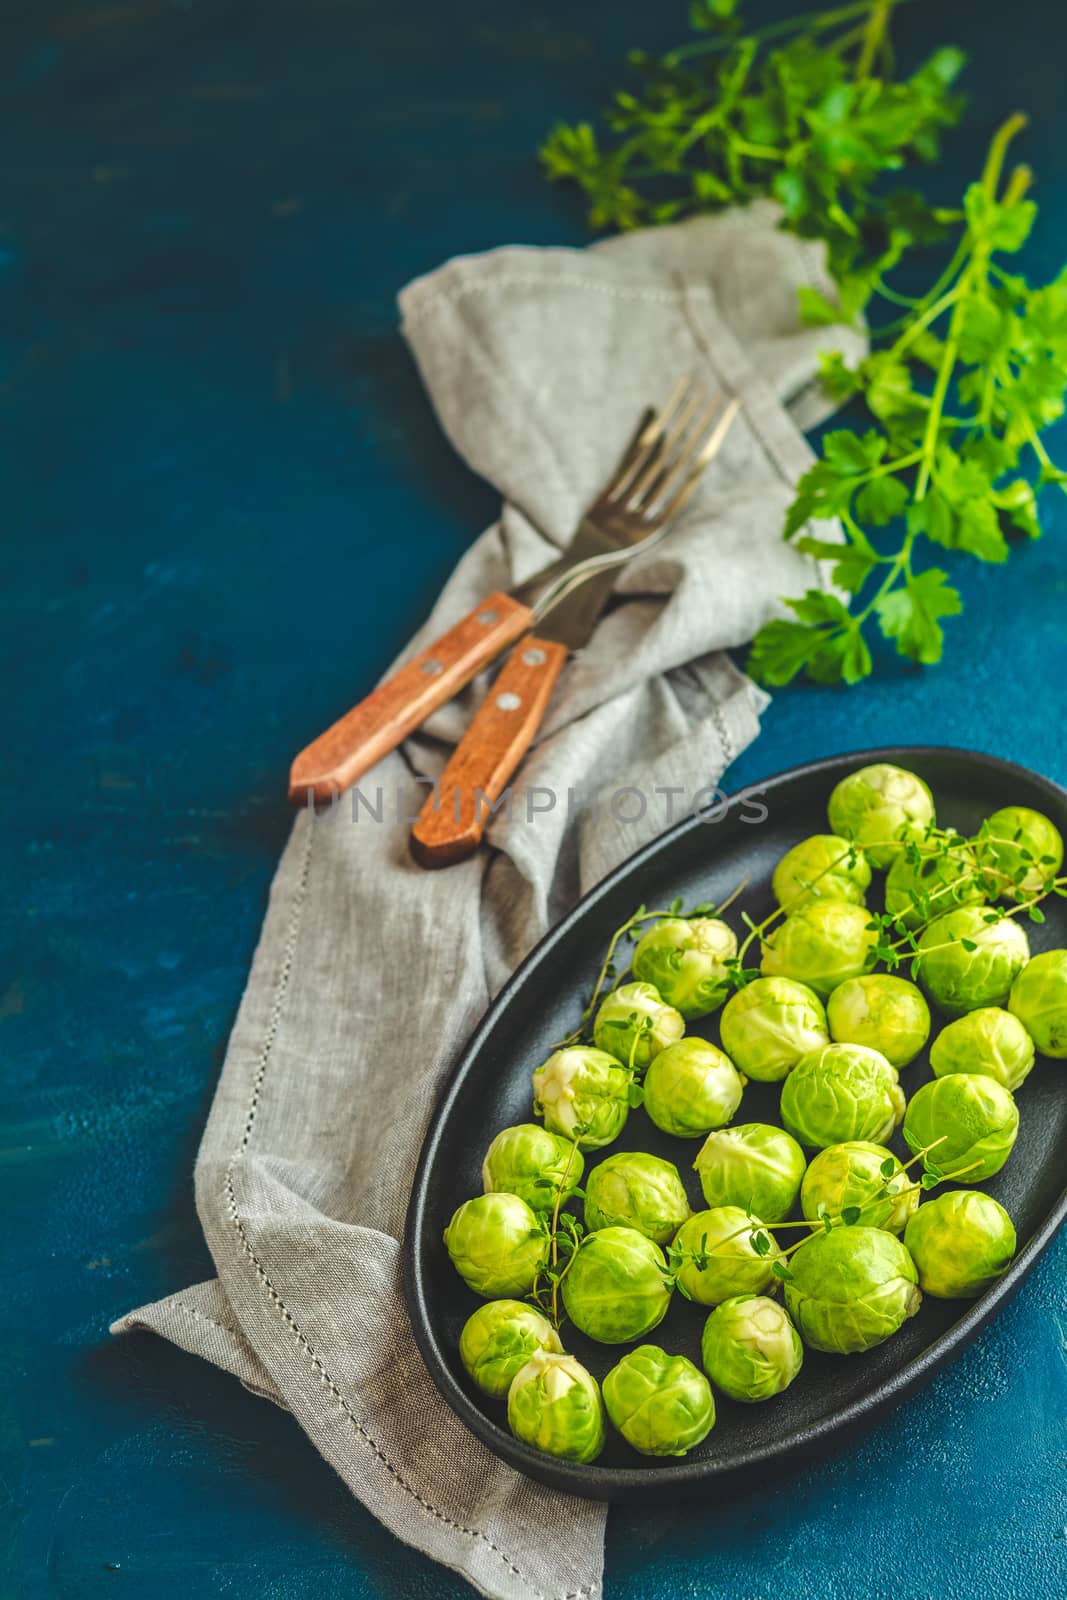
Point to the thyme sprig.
(613, 970)
(760, 1233)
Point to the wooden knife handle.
(389, 713)
(451, 823)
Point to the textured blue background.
(225, 506)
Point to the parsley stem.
(1040, 452)
(921, 323)
(812, 21)
(998, 148)
(872, 38)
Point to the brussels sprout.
(821, 945)
(636, 1191)
(851, 1289)
(878, 806)
(692, 1087)
(849, 1177)
(616, 1286)
(1021, 850)
(754, 1166)
(499, 1338)
(686, 961)
(533, 1163)
(1039, 1000)
(887, 1014)
(584, 1095)
(841, 1093)
(969, 958)
(633, 1024)
(554, 1404)
(750, 1348)
(661, 1404)
(497, 1244)
(988, 1041)
(717, 1256)
(967, 1123)
(919, 886)
(824, 867)
(961, 1243)
(768, 1025)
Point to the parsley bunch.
(960, 392)
(959, 386)
(806, 111)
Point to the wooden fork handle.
(334, 761)
(451, 823)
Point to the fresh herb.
(615, 966)
(565, 1234)
(964, 378)
(806, 111)
(960, 394)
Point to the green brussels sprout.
(824, 867)
(969, 958)
(987, 1041)
(842, 1093)
(1022, 850)
(848, 1177)
(821, 945)
(754, 1166)
(533, 1163)
(887, 1014)
(1039, 1000)
(584, 1095)
(499, 1338)
(633, 1024)
(718, 1254)
(768, 1025)
(636, 1191)
(851, 1289)
(961, 1243)
(616, 1287)
(919, 886)
(879, 806)
(967, 1123)
(554, 1404)
(692, 1087)
(497, 1245)
(750, 1348)
(685, 959)
(661, 1404)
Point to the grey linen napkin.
(369, 972)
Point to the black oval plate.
(490, 1089)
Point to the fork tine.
(708, 451)
(677, 463)
(659, 461)
(647, 445)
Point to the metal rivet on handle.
(432, 668)
(486, 617)
(508, 702)
(533, 658)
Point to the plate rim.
(589, 1480)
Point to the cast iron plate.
(490, 1089)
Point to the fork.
(632, 514)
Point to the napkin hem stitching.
(274, 1019)
(199, 1316)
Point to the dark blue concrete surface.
(225, 506)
